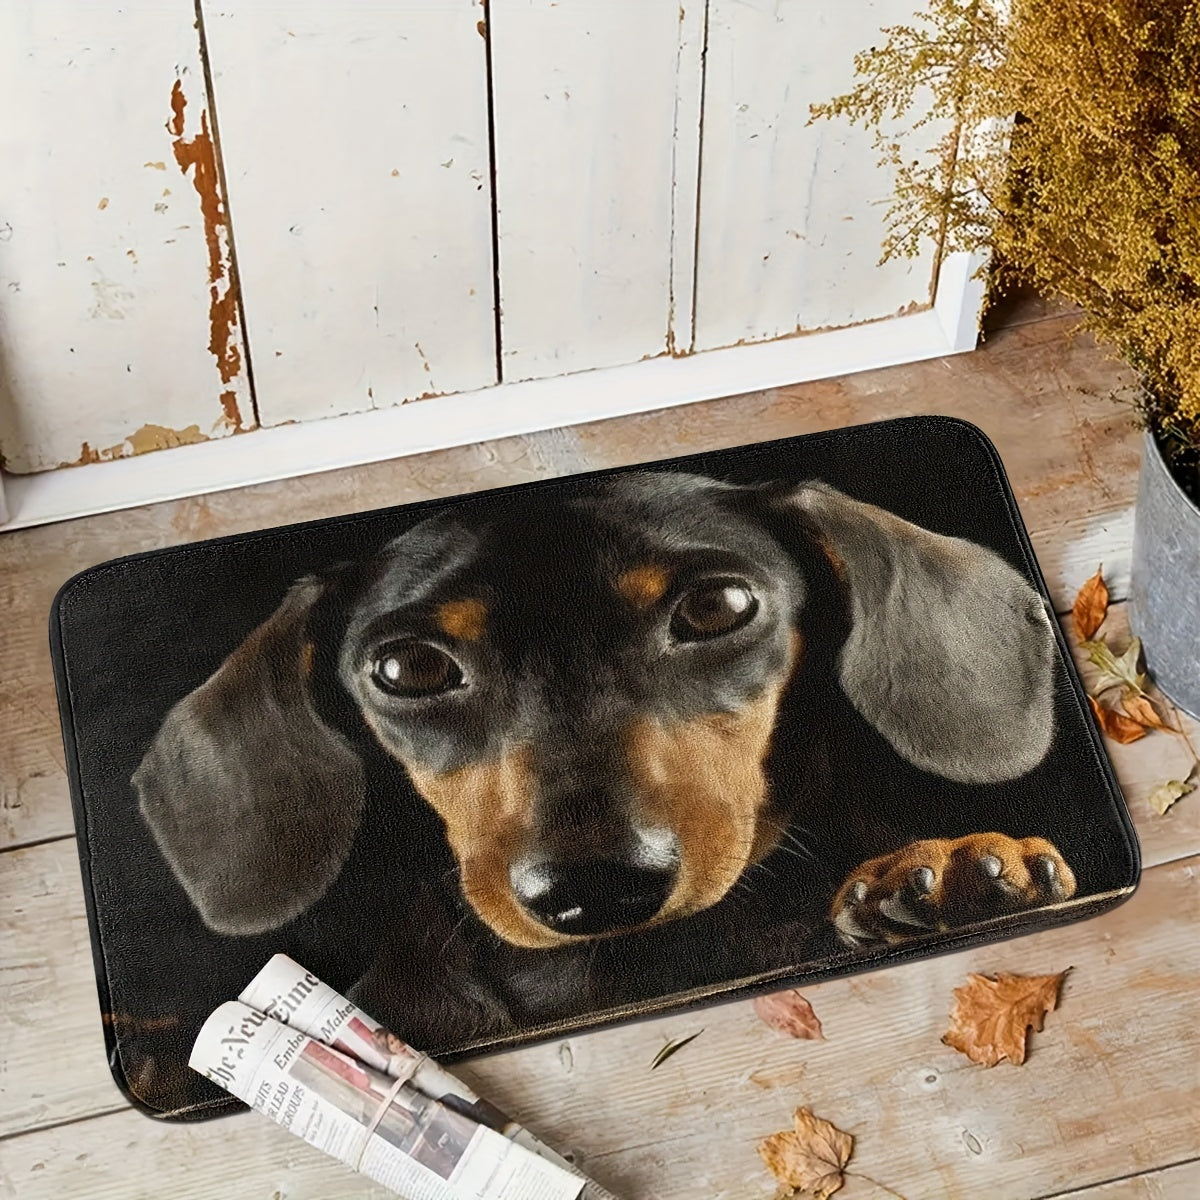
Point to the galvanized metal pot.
(1164, 603)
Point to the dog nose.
(588, 897)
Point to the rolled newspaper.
(419, 1146)
(287, 996)
(283, 989)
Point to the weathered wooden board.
(1180, 1182)
(597, 119)
(1110, 1086)
(355, 144)
(48, 985)
(792, 214)
(119, 320)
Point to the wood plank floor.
(1105, 1108)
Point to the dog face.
(583, 683)
(585, 693)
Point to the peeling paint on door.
(197, 155)
(159, 437)
(141, 441)
(229, 406)
(126, 313)
(86, 455)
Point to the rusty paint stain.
(482, 27)
(103, 203)
(86, 455)
(159, 437)
(229, 406)
(178, 104)
(149, 437)
(155, 166)
(908, 310)
(424, 360)
(395, 172)
(198, 155)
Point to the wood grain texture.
(356, 148)
(119, 325)
(1107, 1087)
(48, 984)
(586, 131)
(792, 212)
(1179, 1182)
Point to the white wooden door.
(355, 143)
(597, 127)
(119, 324)
(434, 220)
(793, 213)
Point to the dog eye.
(415, 669)
(711, 610)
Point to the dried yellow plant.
(1071, 150)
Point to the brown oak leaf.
(809, 1158)
(1117, 725)
(1143, 712)
(789, 1013)
(993, 1015)
(1090, 607)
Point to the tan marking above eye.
(644, 585)
(462, 619)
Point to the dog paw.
(943, 883)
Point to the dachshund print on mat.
(620, 739)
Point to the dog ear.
(253, 800)
(950, 654)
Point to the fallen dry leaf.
(1143, 712)
(1117, 670)
(1116, 725)
(1167, 793)
(993, 1014)
(673, 1048)
(1091, 605)
(809, 1158)
(789, 1013)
